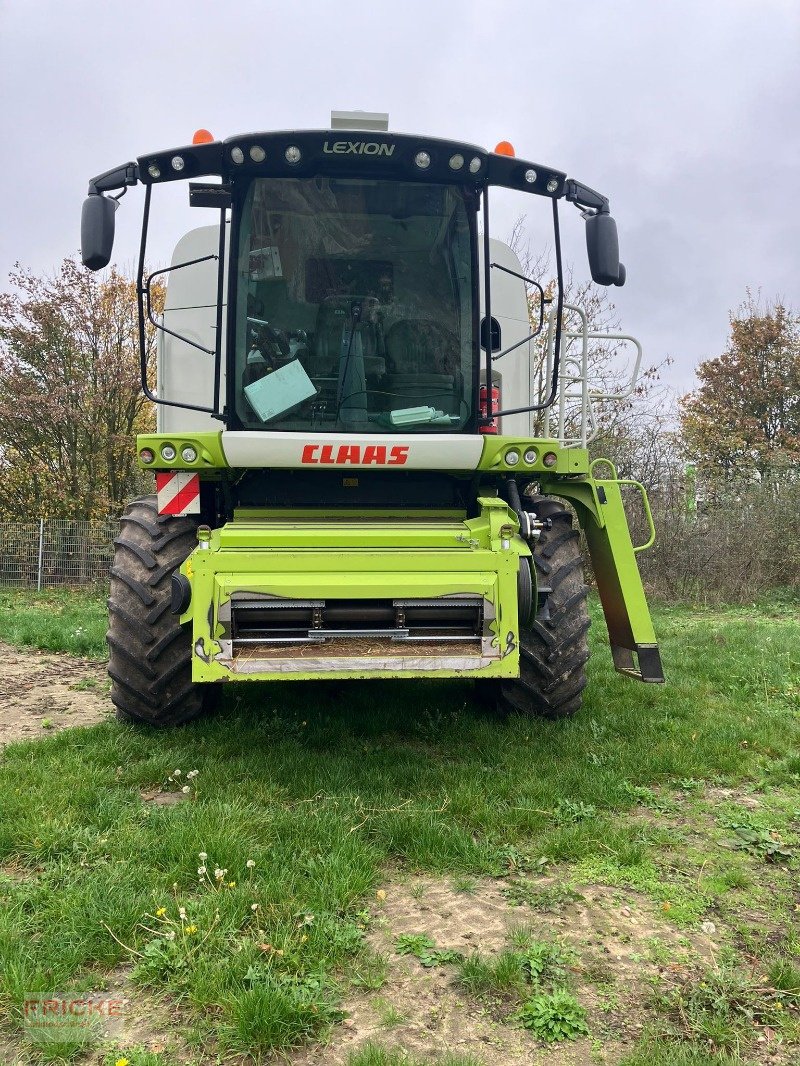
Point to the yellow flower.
(191, 929)
(161, 912)
(122, 1062)
(231, 884)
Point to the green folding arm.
(601, 513)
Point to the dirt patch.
(742, 796)
(142, 1022)
(620, 941)
(161, 799)
(42, 693)
(134, 1020)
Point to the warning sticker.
(178, 493)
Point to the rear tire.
(554, 649)
(150, 653)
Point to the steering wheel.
(263, 332)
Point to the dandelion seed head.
(250, 864)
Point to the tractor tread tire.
(554, 649)
(552, 546)
(150, 653)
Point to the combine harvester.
(348, 480)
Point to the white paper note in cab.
(280, 391)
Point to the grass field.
(313, 805)
(55, 620)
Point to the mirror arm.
(118, 178)
(584, 197)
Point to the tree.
(744, 419)
(70, 394)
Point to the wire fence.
(55, 553)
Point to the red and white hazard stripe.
(178, 493)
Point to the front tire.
(150, 653)
(554, 648)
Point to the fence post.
(41, 553)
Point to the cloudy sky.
(687, 114)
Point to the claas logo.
(355, 455)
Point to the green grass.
(655, 1052)
(503, 974)
(325, 786)
(56, 620)
(376, 1055)
(138, 1056)
(369, 971)
(528, 984)
(530, 962)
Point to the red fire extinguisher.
(488, 427)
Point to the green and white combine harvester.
(349, 480)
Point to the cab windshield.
(355, 306)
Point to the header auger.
(348, 482)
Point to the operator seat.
(333, 322)
(424, 365)
(324, 360)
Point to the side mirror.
(490, 331)
(602, 246)
(97, 231)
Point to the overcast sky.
(686, 114)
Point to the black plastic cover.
(351, 153)
(490, 330)
(204, 194)
(602, 246)
(97, 231)
(181, 594)
(511, 172)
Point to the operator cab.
(353, 288)
(355, 306)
